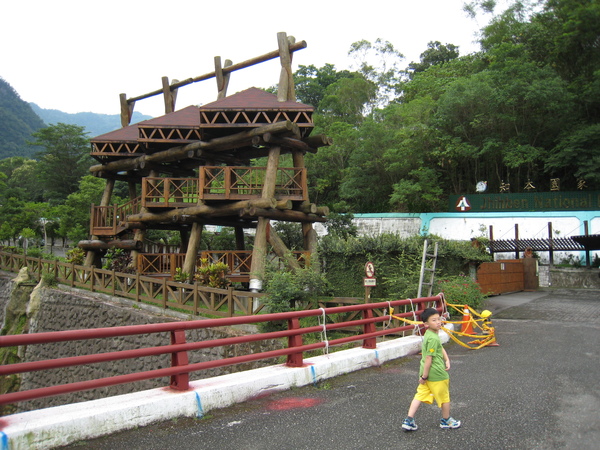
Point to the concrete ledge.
(62, 425)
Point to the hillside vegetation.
(17, 122)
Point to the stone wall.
(65, 308)
(575, 278)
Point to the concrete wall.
(66, 309)
(575, 278)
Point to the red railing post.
(369, 328)
(294, 359)
(181, 381)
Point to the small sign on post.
(369, 281)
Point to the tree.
(379, 63)
(436, 54)
(73, 217)
(64, 160)
(311, 82)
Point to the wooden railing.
(238, 261)
(169, 192)
(191, 298)
(241, 183)
(106, 220)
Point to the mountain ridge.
(95, 124)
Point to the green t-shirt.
(433, 346)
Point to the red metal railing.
(178, 348)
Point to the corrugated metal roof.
(254, 99)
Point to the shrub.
(181, 276)
(286, 288)
(461, 290)
(49, 280)
(212, 274)
(76, 256)
(118, 260)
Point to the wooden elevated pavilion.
(192, 167)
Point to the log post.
(285, 91)
(191, 253)
(126, 110)
(222, 78)
(169, 95)
(281, 250)
(259, 253)
(93, 258)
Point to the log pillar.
(286, 90)
(222, 78)
(191, 253)
(169, 95)
(126, 110)
(240, 243)
(259, 253)
(93, 258)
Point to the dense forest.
(521, 112)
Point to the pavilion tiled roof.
(186, 117)
(253, 99)
(129, 133)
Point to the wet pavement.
(538, 390)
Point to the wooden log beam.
(176, 215)
(199, 148)
(322, 211)
(308, 208)
(275, 214)
(318, 140)
(94, 244)
(281, 250)
(232, 68)
(294, 144)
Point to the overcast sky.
(79, 55)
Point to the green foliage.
(76, 256)
(49, 280)
(286, 288)
(181, 276)
(118, 260)
(397, 262)
(461, 290)
(18, 123)
(63, 160)
(212, 274)
(341, 225)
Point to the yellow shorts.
(438, 390)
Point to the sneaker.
(409, 425)
(449, 423)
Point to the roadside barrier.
(178, 348)
(484, 337)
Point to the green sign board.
(534, 201)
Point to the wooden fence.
(159, 291)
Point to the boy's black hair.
(425, 315)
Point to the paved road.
(538, 390)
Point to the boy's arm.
(446, 359)
(426, 367)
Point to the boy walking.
(434, 381)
